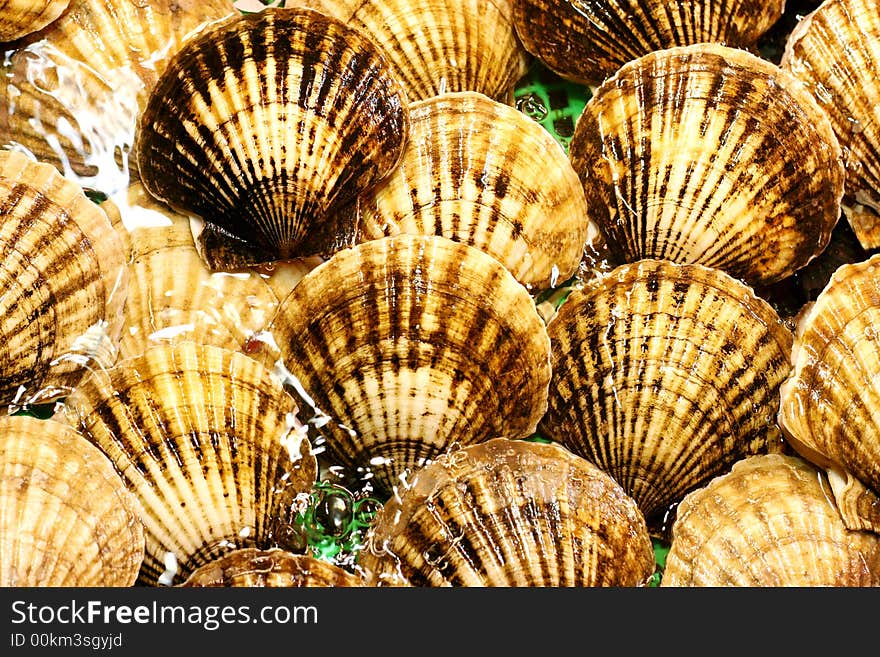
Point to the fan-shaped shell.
(440, 46)
(264, 126)
(19, 18)
(209, 442)
(62, 265)
(710, 155)
(410, 344)
(835, 50)
(250, 567)
(587, 42)
(509, 513)
(830, 406)
(769, 522)
(664, 375)
(482, 173)
(71, 93)
(66, 518)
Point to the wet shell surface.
(440, 46)
(411, 344)
(509, 513)
(64, 282)
(664, 375)
(250, 567)
(771, 521)
(70, 94)
(587, 42)
(711, 155)
(835, 50)
(264, 126)
(208, 441)
(830, 406)
(19, 18)
(66, 518)
(482, 173)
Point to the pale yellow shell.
(19, 18)
(66, 517)
(770, 521)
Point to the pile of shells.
(250, 250)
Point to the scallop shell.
(664, 375)
(66, 518)
(209, 442)
(267, 124)
(587, 42)
(835, 50)
(440, 46)
(250, 567)
(482, 173)
(509, 513)
(710, 155)
(411, 344)
(769, 522)
(19, 18)
(63, 278)
(173, 296)
(70, 94)
(829, 406)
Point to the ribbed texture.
(586, 41)
(267, 124)
(769, 522)
(62, 271)
(482, 173)
(19, 18)
(66, 518)
(829, 405)
(509, 513)
(271, 568)
(836, 52)
(414, 343)
(196, 432)
(663, 376)
(710, 155)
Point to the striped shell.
(710, 155)
(66, 518)
(769, 522)
(71, 94)
(829, 405)
(250, 567)
(587, 42)
(482, 173)
(19, 18)
(509, 513)
(835, 50)
(265, 126)
(440, 46)
(664, 375)
(411, 344)
(63, 276)
(208, 441)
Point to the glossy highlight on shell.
(265, 126)
(829, 405)
(482, 173)
(64, 282)
(277, 568)
(710, 155)
(66, 518)
(209, 442)
(410, 344)
(509, 513)
(587, 42)
(835, 51)
(664, 375)
(19, 18)
(770, 521)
